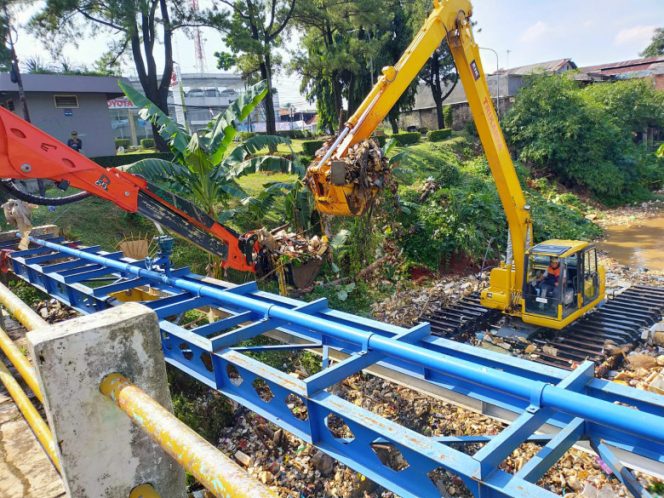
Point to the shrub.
(448, 116)
(309, 147)
(122, 142)
(471, 129)
(423, 130)
(439, 135)
(147, 143)
(123, 159)
(294, 134)
(584, 137)
(407, 138)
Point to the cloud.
(637, 35)
(536, 31)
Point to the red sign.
(120, 103)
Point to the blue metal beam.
(583, 407)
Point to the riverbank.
(633, 242)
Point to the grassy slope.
(95, 221)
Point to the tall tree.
(656, 46)
(439, 73)
(143, 28)
(252, 30)
(400, 35)
(341, 39)
(5, 52)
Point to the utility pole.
(15, 71)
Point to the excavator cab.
(562, 281)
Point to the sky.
(587, 31)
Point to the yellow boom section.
(395, 79)
(449, 18)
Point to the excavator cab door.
(589, 276)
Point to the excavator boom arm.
(450, 19)
(28, 153)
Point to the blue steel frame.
(609, 416)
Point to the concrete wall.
(91, 120)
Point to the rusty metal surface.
(220, 475)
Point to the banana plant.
(206, 164)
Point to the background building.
(503, 86)
(205, 95)
(59, 104)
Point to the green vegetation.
(462, 216)
(309, 147)
(206, 166)
(122, 142)
(147, 143)
(439, 135)
(448, 116)
(407, 138)
(585, 137)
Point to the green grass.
(253, 183)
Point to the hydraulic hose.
(10, 187)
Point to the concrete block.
(102, 453)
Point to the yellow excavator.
(518, 287)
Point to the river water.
(640, 245)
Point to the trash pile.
(293, 468)
(54, 311)
(291, 246)
(644, 369)
(288, 465)
(406, 307)
(366, 165)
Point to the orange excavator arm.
(26, 152)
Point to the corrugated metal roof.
(648, 63)
(63, 83)
(545, 67)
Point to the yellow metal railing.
(31, 320)
(218, 473)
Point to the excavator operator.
(548, 282)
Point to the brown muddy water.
(639, 245)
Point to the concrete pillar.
(102, 453)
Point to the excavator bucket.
(348, 186)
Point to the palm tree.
(207, 164)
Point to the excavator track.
(616, 323)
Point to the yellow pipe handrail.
(218, 473)
(29, 318)
(21, 363)
(32, 416)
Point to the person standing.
(74, 142)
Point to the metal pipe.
(218, 473)
(32, 416)
(546, 395)
(21, 363)
(23, 313)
